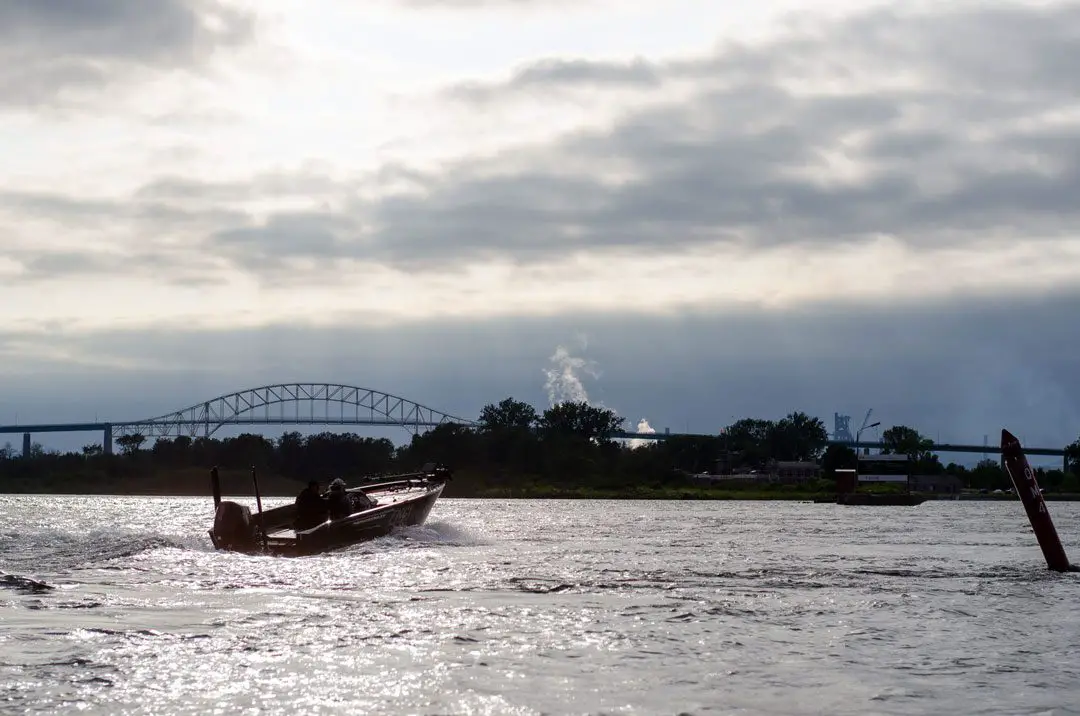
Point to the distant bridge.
(858, 445)
(938, 447)
(282, 404)
(335, 404)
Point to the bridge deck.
(624, 435)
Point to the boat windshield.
(884, 468)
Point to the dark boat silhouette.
(380, 507)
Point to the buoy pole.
(1027, 489)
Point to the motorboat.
(379, 506)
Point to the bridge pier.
(26, 445)
(106, 441)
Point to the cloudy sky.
(719, 209)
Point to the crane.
(866, 424)
(866, 420)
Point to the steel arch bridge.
(291, 404)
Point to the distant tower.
(842, 428)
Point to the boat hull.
(360, 527)
(401, 502)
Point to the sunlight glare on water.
(543, 606)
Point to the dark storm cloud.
(157, 254)
(51, 47)
(550, 74)
(269, 247)
(754, 154)
(1026, 49)
(179, 235)
(75, 211)
(266, 185)
(185, 268)
(956, 371)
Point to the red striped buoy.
(1023, 480)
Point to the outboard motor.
(233, 528)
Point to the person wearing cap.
(340, 505)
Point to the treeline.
(513, 448)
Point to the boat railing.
(391, 485)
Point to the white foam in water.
(438, 533)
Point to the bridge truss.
(292, 404)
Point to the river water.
(543, 607)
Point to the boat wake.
(696, 583)
(442, 533)
(429, 534)
(56, 551)
(23, 584)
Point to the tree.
(746, 442)
(988, 475)
(508, 430)
(1072, 457)
(345, 454)
(798, 437)
(130, 444)
(451, 444)
(1050, 480)
(683, 453)
(902, 440)
(91, 450)
(580, 420)
(173, 453)
(577, 444)
(290, 453)
(246, 450)
(508, 415)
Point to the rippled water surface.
(536, 606)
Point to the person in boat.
(340, 504)
(311, 507)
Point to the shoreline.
(662, 494)
(466, 484)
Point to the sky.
(711, 210)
